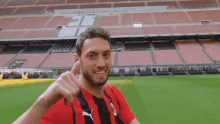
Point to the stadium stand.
(134, 58)
(61, 7)
(82, 29)
(158, 30)
(58, 20)
(2, 2)
(88, 20)
(41, 2)
(40, 34)
(32, 60)
(11, 34)
(197, 3)
(129, 4)
(25, 10)
(137, 46)
(86, 6)
(108, 21)
(20, 2)
(194, 29)
(208, 44)
(82, 1)
(188, 45)
(67, 32)
(170, 4)
(167, 57)
(119, 22)
(5, 58)
(123, 31)
(62, 48)
(12, 49)
(76, 21)
(31, 22)
(171, 17)
(59, 60)
(36, 49)
(7, 22)
(130, 18)
(163, 46)
(194, 56)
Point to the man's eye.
(91, 55)
(106, 54)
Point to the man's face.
(95, 59)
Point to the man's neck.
(96, 91)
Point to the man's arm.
(135, 121)
(67, 86)
(32, 116)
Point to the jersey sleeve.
(126, 115)
(58, 114)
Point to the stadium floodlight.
(137, 25)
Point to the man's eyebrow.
(97, 52)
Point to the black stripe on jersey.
(104, 114)
(85, 107)
(117, 119)
(74, 121)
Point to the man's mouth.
(100, 72)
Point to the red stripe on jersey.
(112, 117)
(78, 112)
(58, 113)
(126, 114)
(95, 114)
(113, 98)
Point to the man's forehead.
(95, 45)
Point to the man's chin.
(98, 83)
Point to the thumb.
(76, 68)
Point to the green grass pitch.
(193, 99)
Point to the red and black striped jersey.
(112, 108)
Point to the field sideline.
(188, 99)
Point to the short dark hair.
(91, 32)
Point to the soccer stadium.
(165, 54)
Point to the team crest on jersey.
(114, 110)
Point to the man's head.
(94, 52)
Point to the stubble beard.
(92, 82)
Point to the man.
(90, 100)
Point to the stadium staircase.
(9, 62)
(206, 52)
(45, 59)
(208, 55)
(177, 51)
(123, 47)
(152, 54)
(116, 59)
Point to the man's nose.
(100, 62)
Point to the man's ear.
(76, 57)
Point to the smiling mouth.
(100, 73)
